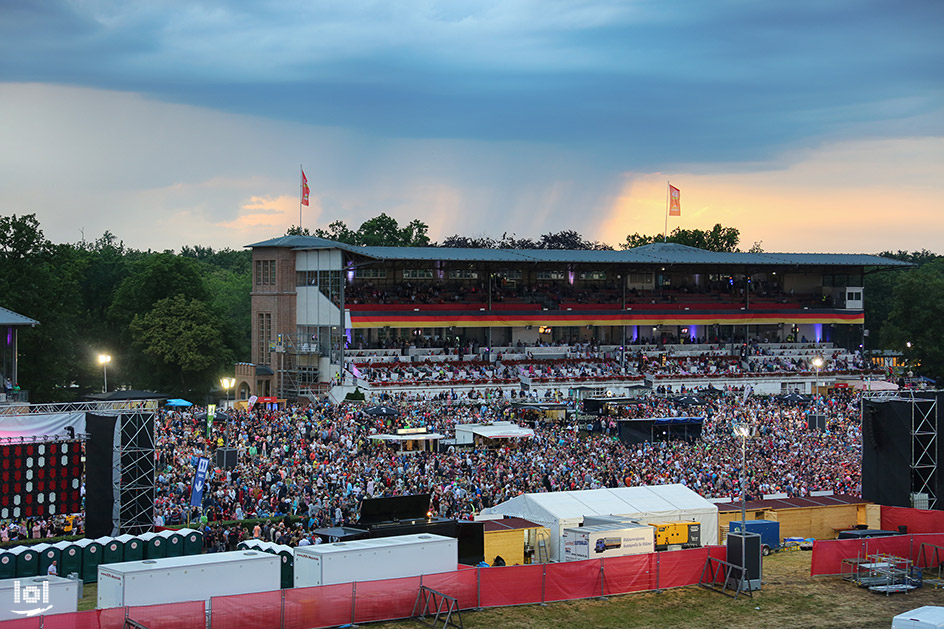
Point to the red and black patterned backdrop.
(40, 479)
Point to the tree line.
(176, 321)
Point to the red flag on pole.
(304, 189)
(675, 204)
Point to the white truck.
(187, 578)
(602, 540)
(374, 559)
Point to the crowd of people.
(318, 462)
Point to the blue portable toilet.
(769, 531)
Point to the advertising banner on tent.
(199, 481)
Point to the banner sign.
(199, 481)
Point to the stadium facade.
(313, 299)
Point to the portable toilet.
(7, 564)
(48, 554)
(132, 547)
(173, 543)
(112, 550)
(154, 546)
(70, 558)
(287, 556)
(91, 558)
(193, 541)
(27, 561)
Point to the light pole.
(743, 429)
(227, 384)
(104, 359)
(817, 363)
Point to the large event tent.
(648, 504)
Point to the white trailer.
(34, 596)
(375, 559)
(187, 578)
(594, 542)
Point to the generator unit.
(677, 535)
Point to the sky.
(810, 126)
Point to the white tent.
(649, 504)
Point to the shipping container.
(375, 559)
(594, 542)
(188, 578)
(35, 596)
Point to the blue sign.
(199, 482)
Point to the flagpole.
(665, 233)
(301, 175)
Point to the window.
(854, 296)
(371, 274)
(417, 274)
(550, 275)
(463, 274)
(264, 331)
(265, 272)
(640, 278)
(593, 275)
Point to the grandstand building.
(314, 300)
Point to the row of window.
(265, 272)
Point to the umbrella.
(381, 411)
(794, 398)
(689, 400)
(177, 402)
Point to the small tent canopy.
(177, 402)
(647, 504)
(381, 411)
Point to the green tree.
(718, 238)
(41, 281)
(917, 308)
(380, 231)
(182, 339)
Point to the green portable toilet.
(133, 547)
(48, 554)
(193, 541)
(154, 546)
(27, 561)
(91, 557)
(112, 550)
(70, 558)
(7, 564)
(287, 557)
(173, 543)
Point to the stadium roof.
(657, 253)
(8, 317)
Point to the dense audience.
(319, 462)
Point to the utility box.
(769, 531)
(193, 578)
(34, 596)
(375, 559)
(602, 540)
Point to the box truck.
(602, 540)
(35, 596)
(375, 559)
(187, 578)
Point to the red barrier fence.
(917, 520)
(829, 554)
(391, 599)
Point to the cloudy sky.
(808, 125)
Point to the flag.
(675, 205)
(304, 189)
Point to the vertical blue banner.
(199, 481)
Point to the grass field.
(789, 598)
